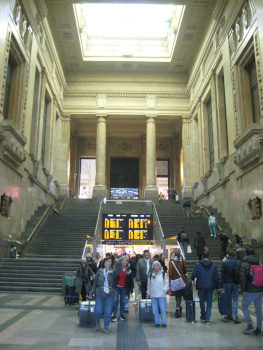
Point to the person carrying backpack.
(251, 283)
(230, 281)
(183, 240)
(157, 287)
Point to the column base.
(151, 193)
(99, 192)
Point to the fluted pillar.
(99, 190)
(151, 191)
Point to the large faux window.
(210, 133)
(251, 72)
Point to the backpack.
(184, 236)
(256, 272)
(235, 274)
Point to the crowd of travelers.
(116, 277)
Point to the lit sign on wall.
(127, 227)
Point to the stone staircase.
(171, 218)
(56, 249)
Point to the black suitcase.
(86, 313)
(145, 310)
(71, 297)
(190, 311)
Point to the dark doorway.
(124, 174)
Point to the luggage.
(68, 280)
(145, 310)
(190, 311)
(71, 297)
(86, 313)
(224, 304)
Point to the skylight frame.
(143, 49)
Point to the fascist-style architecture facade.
(193, 98)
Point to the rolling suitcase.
(190, 311)
(145, 310)
(224, 304)
(71, 297)
(68, 280)
(86, 313)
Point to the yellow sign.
(141, 242)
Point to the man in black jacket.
(251, 293)
(229, 281)
(223, 239)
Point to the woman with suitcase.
(157, 288)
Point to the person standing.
(84, 279)
(91, 263)
(183, 240)
(223, 240)
(177, 262)
(207, 280)
(251, 293)
(157, 287)
(187, 208)
(124, 287)
(134, 261)
(212, 225)
(103, 288)
(199, 244)
(230, 281)
(143, 268)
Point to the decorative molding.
(221, 169)
(249, 147)
(6, 57)
(126, 95)
(259, 70)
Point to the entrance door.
(87, 177)
(124, 178)
(162, 180)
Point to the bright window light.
(127, 20)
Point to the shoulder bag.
(179, 283)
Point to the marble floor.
(34, 321)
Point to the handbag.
(189, 249)
(179, 283)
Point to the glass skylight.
(127, 20)
(128, 32)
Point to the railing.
(34, 231)
(98, 230)
(62, 204)
(159, 235)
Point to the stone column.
(151, 191)
(187, 157)
(63, 155)
(99, 190)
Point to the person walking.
(157, 287)
(103, 289)
(176, 265)
(187, 208)
(207, 279)
(84, 279)
(212, 225)
(251, 292)
(199, 244)
(134, 261)
(183, 240)
(143, 268)
(124, 287)
(223, 240)
(230, 281)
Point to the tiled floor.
(30, 321)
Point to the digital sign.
(134, 227)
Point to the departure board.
(135, 227)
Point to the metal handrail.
(96, 233)
(162, 238)
(38, 224)
(62, 204)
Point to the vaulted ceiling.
(198, 14)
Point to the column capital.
(66, 118)
(151, 117)
(101, 117)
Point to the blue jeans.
(120, 293)
(205, 296)
(104, 304)
(184, 247)
(255, 298)
(156, 304)
(232, 291)
(213, 229)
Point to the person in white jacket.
(157, 287)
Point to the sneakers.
(257, 331)
(236, 320)
(211, 235)
(114, 319)
(122, 318)
(249, 330)
(106, 330)
(207, 322)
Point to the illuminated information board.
(125, 227)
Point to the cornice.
(127, 95)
